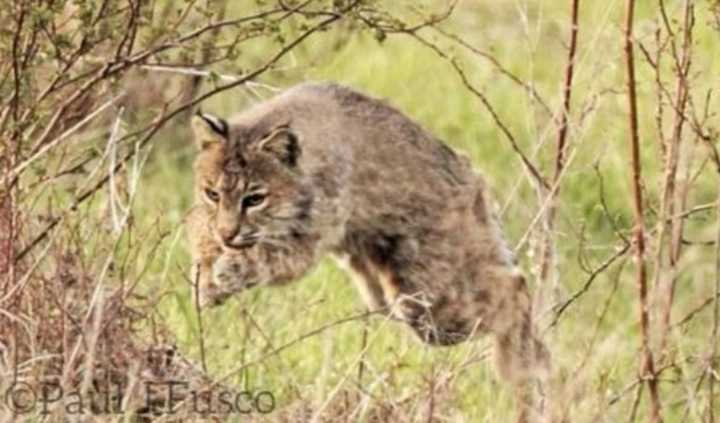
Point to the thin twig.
(648, 365)
(547, 246)
(536, 175)
(199, 314)
(669, 227)
(495, 62)
(560, 309)
(567, 92)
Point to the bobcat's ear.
(209, 129)
(283, 143)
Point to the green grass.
(425, 86)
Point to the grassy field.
(595, 344)
(376, 370)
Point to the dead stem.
(647, 367)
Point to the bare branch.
(648, 365)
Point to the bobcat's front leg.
(260, 265)
(205, 252)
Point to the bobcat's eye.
(253, 200)
(212, 195)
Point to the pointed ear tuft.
(283, 143)
(209, 129)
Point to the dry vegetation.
(617, 221)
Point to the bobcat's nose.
(228, 234)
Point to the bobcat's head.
(251, 183)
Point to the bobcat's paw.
(208, 294)
(226, 271)
(229, 275)
(211, 296)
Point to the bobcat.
(322, 169)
